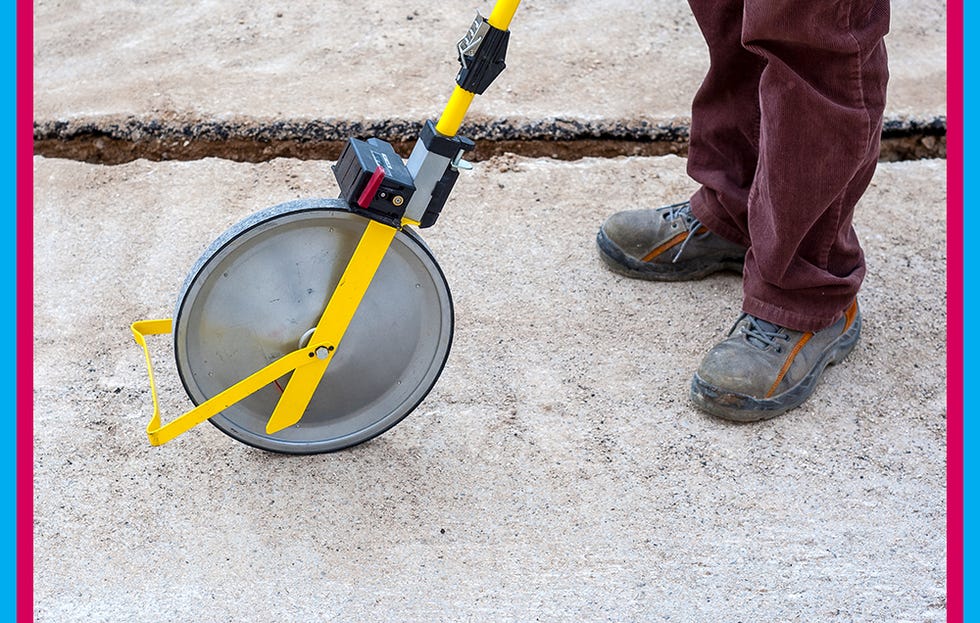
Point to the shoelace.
(762, 333)
(683, 210)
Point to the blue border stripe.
(8, 262)
(971, 261)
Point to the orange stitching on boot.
(850, 315)
(789, 361)
(673, 242)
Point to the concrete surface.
(597, 64)
(557, 471)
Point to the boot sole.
(690, 270)
(742, 408)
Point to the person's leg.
(690, 240)
(725, 116)
(822, 96)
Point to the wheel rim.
(263, 284)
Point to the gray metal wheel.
(261, 286)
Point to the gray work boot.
(762, 370)
(665, 244)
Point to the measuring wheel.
(259, 290)
(318, 324)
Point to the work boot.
(762, 370)
(665, 244)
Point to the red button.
(371, 188)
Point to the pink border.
(954, 313)
(25, 311)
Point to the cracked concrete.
(277, 80)
(557, 470)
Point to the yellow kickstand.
(160, 434)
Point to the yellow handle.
(460, 100)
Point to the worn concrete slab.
(556, 472)
(597, 63)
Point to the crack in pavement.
(116, 140)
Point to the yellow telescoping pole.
(452, 116)
(460, 100)
(502, 13)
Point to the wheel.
(259, 289)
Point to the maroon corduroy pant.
(785, 135)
